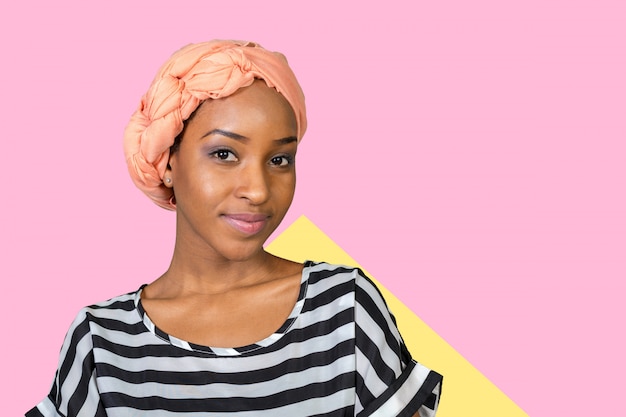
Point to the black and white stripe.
(338, 354)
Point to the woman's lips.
(246, 223)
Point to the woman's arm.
(382, 356)
(75, 377)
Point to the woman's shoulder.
(334, 280)
(123, 302)
(122, 308)
(334, 274)
(324, 270)
(337, 278)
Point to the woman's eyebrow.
(288, 139)
(237, 136)
(226, 133)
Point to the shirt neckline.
(235, 351)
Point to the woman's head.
(194, 74)
(234, 174)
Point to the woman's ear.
(167, 176)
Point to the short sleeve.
(389, 382)
(74, 391)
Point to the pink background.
(469, 154)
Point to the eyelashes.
(282, 160)
(224, 155)
(228, 155)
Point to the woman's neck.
(191, 272)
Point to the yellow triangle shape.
(466, 392)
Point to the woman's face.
(234, 173)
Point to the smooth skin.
(234, 178)
(236, 162)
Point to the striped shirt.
(338, 354)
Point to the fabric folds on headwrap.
(197, 72)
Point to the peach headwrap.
(193, 74)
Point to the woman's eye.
(281, 161)
(224, 155)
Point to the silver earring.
(168, 180)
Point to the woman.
(229, 329)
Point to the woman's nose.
(253, 184)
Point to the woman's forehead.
(252, 105)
